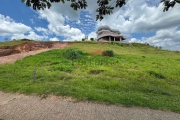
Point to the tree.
(104, 8)
(6, 39)
(169, 3)
(92, 39)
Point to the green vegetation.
(72, 54)
(12, 43)
(109, 53)
(138, 75)
(92, 39)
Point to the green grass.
(11, 43)
(138, 75)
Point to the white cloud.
(135, 40)
(92, 35)
(9, 27)
(78, 22)
(76, 37)
(54, 39)
(168, 39)
(32, 21)
(43, 30)
(56, 24)
(32, 35)
(138, 19)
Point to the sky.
(141, 21)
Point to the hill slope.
(138, 75)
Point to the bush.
(92, 39)
(83, 39)
(72, 54)
(109, 53)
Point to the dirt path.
(14, 57)
(22, 107)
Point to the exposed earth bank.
(30, 46)
(9, 54)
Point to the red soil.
(9, 54)
(96, 52)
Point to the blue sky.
(140, 21)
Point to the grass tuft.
(157, 75)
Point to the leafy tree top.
(169, 3)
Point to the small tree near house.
(92, 39)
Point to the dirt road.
(22, 107)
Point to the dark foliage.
(169, 3)
(92, 39)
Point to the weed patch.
(95, 72)
(55, 63)
(157, 75)
(61, 67)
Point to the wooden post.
(34, 74)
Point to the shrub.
(109, 53)
(72, 54)
(92, 39)
(83, 39)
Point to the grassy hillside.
(138, 75)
